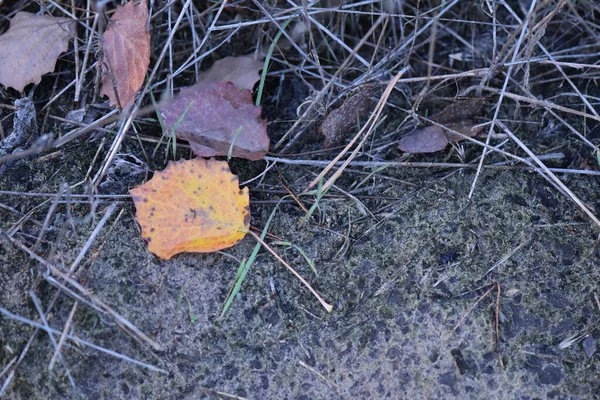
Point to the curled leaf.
(426, 140)
(31, 46)
(126, 44)
(338, 123)
(192, 206)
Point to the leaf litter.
(126, 46)
(434, 138)
(31, 46)
(192, 206)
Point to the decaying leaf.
(241, 71)
(126, 45)
(31, 46)
(192, 206)
(458, 110)
(434, 138)
(338, 123)
(426, 140)
(466, 127)
(212, 118)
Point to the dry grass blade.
(325, 305)
(550, 174)
(75, 339)
(498, 107)
(101, 306)
(368, 127)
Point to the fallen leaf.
(126, 46)
(465, 127)
(192, 206)
(241, 71)
(31, 46)
(215, 117)
(458, 110)
(338, 123)
(435, 138)
(426, 140)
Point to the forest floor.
(436, 293)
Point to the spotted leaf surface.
(192, 206)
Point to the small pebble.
(589, 346)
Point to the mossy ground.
(399, 282)
(435, 295)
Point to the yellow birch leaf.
(192, 206)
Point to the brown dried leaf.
(31, 46)
(214, 118)
(434, 138)
(241, 71)
(337, 124)
(465, 127)
(126, 44)
(426, 140)
(458, 110)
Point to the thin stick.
(464, 317)
(85, 59)
(63, 336)
(40, 310)
(75, 339)
(327, 306)
(498, 350)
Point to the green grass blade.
(263, 75)
(245, 266)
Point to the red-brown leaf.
(214, 118)
(126, 44)
(31, 46)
